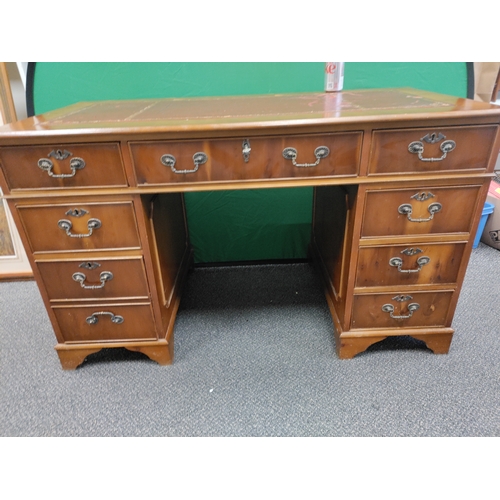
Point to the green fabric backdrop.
(224, 226)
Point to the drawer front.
(419, 211)
(420, 264)
(63, 166)
(80, 226)
(106, 322)
(396, 310)
(94, 279)
(431, 150)
(172, 162)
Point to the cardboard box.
(485, 76)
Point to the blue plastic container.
(487, 210)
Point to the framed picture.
(13, 260)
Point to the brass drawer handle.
(407, 209)
(398, 262)
(389, 308)
(94, 318)
(198, 159)
(320, 153)
(417, 147)
(104, 276)
(74, 164)
(66, 225)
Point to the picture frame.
(14, 262)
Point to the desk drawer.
(94, 279)
(421, 264)
(106, 322)
(169, 162)
(80, 226)
(394, 310)
(434, 150)
(63, 166)
(419, 211)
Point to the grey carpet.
(255, 356)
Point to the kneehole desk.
(400, 177)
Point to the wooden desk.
(400, 178)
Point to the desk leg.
(72, 358)
(348, 347)
(438, 343)
(162, 353)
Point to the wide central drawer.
(106, 322)
(63, 166)
(80, 226)
(254, 158)
(100, 278)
